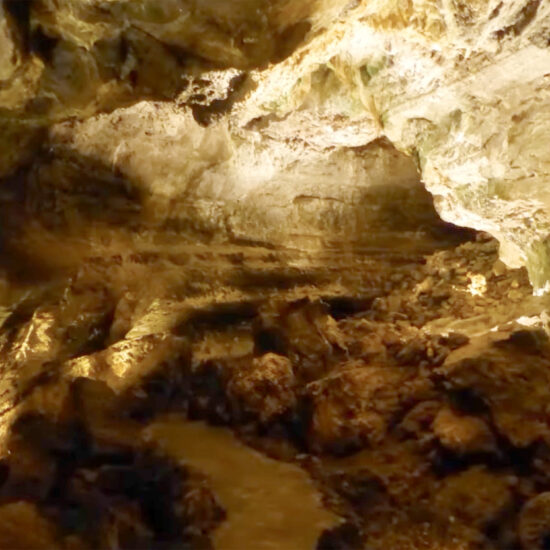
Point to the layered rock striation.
(461, 87)
(238, 212)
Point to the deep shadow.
(20, 10)
(282, 278)
(62, 194)
(218, 316)
(403, 219)
(84, 483)
(289, 39)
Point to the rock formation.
(321, 224)
(461, 87)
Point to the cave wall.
(224, 211)
(265, 102)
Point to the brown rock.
(463, 434)
(534, 522)
(354, 405)
(475, 497)
(267, 387)
(23, 528)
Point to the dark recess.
(43, 45)
(20, 10)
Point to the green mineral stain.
(369, 70)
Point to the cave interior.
(274, 275)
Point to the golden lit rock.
(236, 212)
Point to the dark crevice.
(496, 11)
(206, 114)
(290, 39)
(20, 10)
(344, 537)
(43, 45)
(270, 339)
(340, 307)
(468, 401)
(218, 316)
(530, 342)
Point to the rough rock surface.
(407, 401)
(221, 211)
(461, 86)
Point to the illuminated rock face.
(223, 210)
(462, 87)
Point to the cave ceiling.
(271, 96)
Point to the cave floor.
(239, 396)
